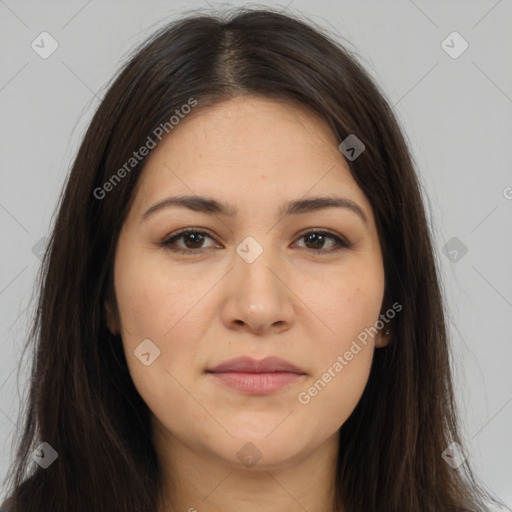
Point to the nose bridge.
(257, 292)
(258, 261)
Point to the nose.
(258, 297)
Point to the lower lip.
(257, 383)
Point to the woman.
(240, 307)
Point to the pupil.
(187, 238)
(318, 237)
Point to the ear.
(384, 337)
(386, 334)
(112, 323)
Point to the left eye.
(319, 237)
(193, 240)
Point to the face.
(300, 286)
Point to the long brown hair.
(82, 401)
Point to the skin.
(200, 310)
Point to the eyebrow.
(212, 207)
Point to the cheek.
(345, 304)
(154, 299)
(163, 306)
(151, 310)
(334, 392)
(343, 353)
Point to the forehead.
(250, 148)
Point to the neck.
(199, 481)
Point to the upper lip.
(250, 365)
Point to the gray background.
(456, 112)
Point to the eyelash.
(169, 241)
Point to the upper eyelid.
(185, 231)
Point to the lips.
(252, 377)
(249, 365)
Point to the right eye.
(194, 236)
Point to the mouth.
(255, 377)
